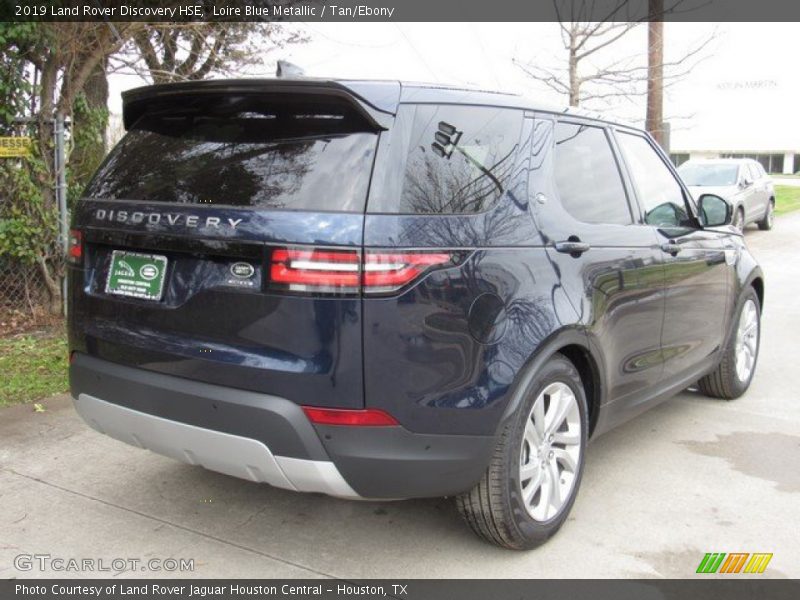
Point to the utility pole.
(655, 71)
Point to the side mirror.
(714, 211)
(746, 182)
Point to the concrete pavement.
(692, 476)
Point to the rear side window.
(446, 159)
(243, 151)
(587, 176)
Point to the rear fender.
(569, 336)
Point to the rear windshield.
(243, 151)
(705, 175)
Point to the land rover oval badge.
(242, 270)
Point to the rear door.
(696, 272)
(610, 264)
(245, 211)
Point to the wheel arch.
(585, 363)
(573, 344)
(757, 283)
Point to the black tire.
(738, 219)
(494, 508)
(724, 382)
(768, 221)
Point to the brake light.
(75, 246)
(344, 271)
(302, 270)
(370, 417)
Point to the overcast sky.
(743, 94)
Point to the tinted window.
(446, 159)
(658, 190)
(587, 176)
(243, 152)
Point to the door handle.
(572, 247)
(671, 248)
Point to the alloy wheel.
(747, 341)
(738, 221)
(550, 453)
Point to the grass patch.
(787, 199)
(33, 367)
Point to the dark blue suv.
(380, 290)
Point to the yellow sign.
(15, 147)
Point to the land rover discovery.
(384, 291)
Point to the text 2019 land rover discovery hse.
(380, 290)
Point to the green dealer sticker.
(136, 275)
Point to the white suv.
(741, 181)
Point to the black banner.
(409, 589)
(397, 10)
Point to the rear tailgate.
(212, 185)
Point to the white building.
(741, 101)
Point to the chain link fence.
(23, 297)
(24, 300)
(25, 303)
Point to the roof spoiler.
(287, 69)
(136, 102)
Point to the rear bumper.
(233, 455)
(268, 439)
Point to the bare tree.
(169, 52)
(592, 75)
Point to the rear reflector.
(343, 271)
(370, 417)
(75, 246)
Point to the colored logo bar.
(734, 562)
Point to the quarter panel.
(422, 361)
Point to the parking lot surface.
(691, 476)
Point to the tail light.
(344, 271)
(387, 272)
(75, 247)
(369, 417)
(302, 270)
